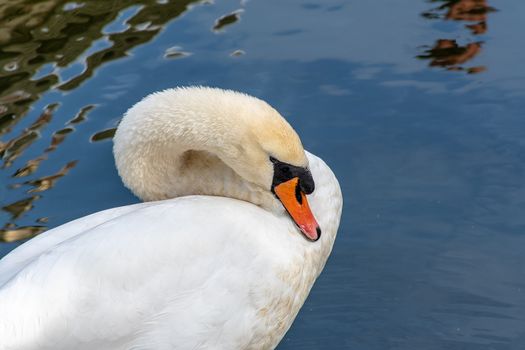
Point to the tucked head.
(246, 134)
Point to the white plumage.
(201, 271)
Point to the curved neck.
(181, 171)
(162, 152)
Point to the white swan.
(222, 266)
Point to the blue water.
(421, 118)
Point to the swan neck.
(162, 153)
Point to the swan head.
(211, 141)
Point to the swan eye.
(283, 172)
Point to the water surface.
(418, 106)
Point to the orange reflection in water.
(448, 53)
(470, 10)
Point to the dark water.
(418, 106)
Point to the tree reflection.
(53, 34)
(448, 53)
(38, 41)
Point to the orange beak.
(295, 203)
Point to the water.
(417, 106)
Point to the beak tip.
(309, 235)
(318, 231)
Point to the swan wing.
(17, 259)
(188, 273)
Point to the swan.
(237, 222)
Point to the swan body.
(215, 264)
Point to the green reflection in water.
(35, 34)
(39, 40)
(103, 135)
(226, 20)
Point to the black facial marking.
(298, 195)
(283, 172)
